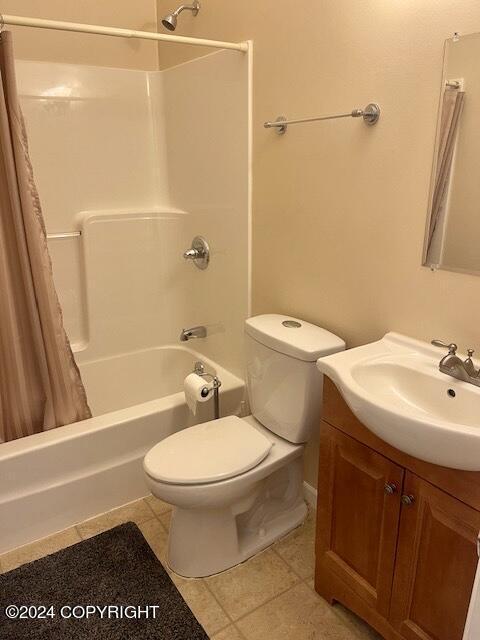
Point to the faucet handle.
(469, 365)
(199, 252)
(452, 347)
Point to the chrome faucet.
(194, 332)
(454, 366)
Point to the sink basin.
(395, 388)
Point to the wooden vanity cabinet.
(391, 546)
(435, 564)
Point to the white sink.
(395, 388)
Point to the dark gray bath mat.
(115, 568)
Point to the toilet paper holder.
(199, 369)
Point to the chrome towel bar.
(64, 234)
(370, 116)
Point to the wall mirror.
(452, 237)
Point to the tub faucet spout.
(194, 332)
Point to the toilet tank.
(284, 385)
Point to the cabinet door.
(436, 563)
(357, 519)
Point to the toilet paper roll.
(196, 389)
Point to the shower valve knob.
(193, 254)
(199, 252)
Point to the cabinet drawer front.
(436, 563)
(357, 519)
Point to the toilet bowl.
(236, 484)
(216, 525)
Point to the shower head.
(170, 21)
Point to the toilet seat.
(208, 452)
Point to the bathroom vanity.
(396, 536)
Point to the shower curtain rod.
(119, 33)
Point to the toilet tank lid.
(293, 337)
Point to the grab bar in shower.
(64, 234)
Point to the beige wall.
(339, 209)
(37, 44)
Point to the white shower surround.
(140, 162)
(130, 146)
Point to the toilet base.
(205, 541)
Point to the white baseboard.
(310, 495)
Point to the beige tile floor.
(269, 597)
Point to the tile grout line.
(149, 505)
(304, 581)
(233, 620)
(281, 593)
(238, 630)
(242, 637)
(289, 565)
(300, 580)
(157, 515)
(346, 623)
(229, 624)
(218, 602)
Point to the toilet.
(236, 484)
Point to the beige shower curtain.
(40, 385)
(450, 116)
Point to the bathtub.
(51, 480)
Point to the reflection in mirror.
(452, 238)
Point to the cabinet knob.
(390, 488)
(408, 500)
